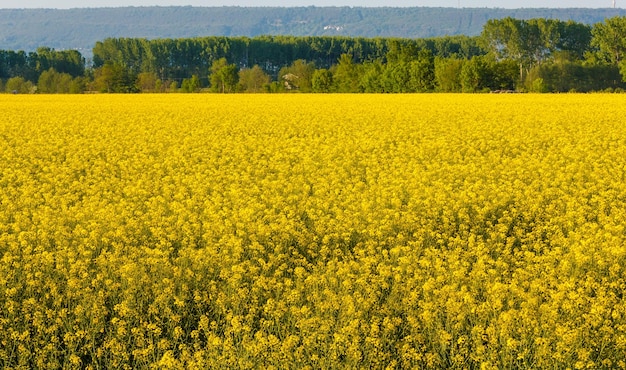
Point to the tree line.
(540, 55)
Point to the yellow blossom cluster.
(312, 231)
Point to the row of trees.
(510, 54)
(45, 70)
(31, 65)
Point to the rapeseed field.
(312, 231)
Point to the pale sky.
(65, 4)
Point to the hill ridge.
(81, 28)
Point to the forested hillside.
(80, 29)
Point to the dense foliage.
(312, 231)
(541, 55)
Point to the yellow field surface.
(313, 231)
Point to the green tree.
(399, 50)
(65, 61)
(474, 75)
(410, 68)
(78, 85)
(575, 39)
(322, 81)
(371, 77)
(147, 81)
(17, 64)
(297, 76)
(514, 39)
(346, 75)
(19, 85)
(610, 39)
(422, 72)
(447, 74)
(190, 85)
(564, 75)
(224, 76)
(503, 75)
(254, 80)
(395, 77)
(538, 86)
(47, 83)
(53, 82)
(114, 78)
